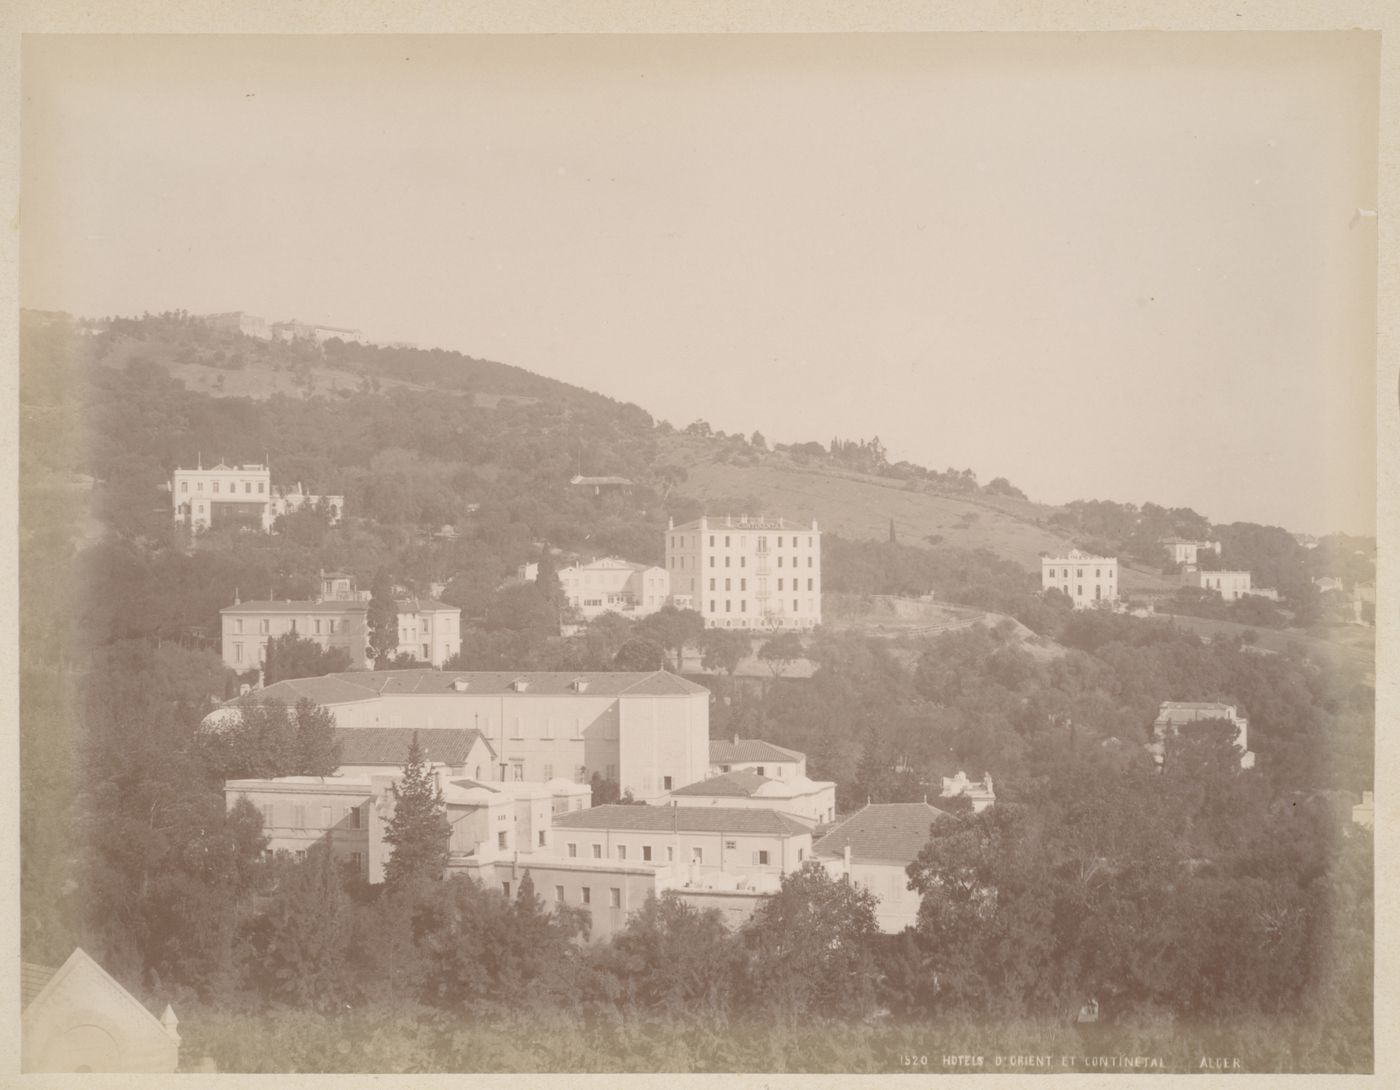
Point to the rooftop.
(32, 979)
(682, 819)
(297, 606)
(1075, 554)
(743, 522)
(892, 832)
(725, 751)
(356, 685)
(737, 784)
(389, 745)
(424, 605)
(600, 480)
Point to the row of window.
(351, 815)
(744, 605)
(760, 856)
(679, 562)
(233, 486)
(744, 584)
(585, 895)
(678, 541)
(1079, 573)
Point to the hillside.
(862, 505)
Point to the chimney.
(847, 853)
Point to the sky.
(1103, 266)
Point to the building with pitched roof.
(754, 755)
(608, 585)
(649, 732)
(810, 801)
(1230, 585)
(77, 1018)
(872, 848)
(748, 572)
(1186, 552)
(368, 751)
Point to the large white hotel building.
(746, 572)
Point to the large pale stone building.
(1088, 580)
(872, 848)
(746, 572)
(648, 732)
(239, 495)
(609, 585)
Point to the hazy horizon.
(1122, 267)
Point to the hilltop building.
(310, 331)
(237, 321)
(1088, 580)
(648, 732)
(872, 848)
(1185, 552)
(746, 572)
(430, 631)
(1174, 714)
(78, 1018)
(601, 485)
(239, 495)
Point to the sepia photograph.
(698, 553)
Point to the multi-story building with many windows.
(747, 572)
(1088, 580)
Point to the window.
(299, 817)
(541, 838)
(559, 895)
(261, 486)
(247, 487)
(743, 584)
(646, 853)
(332, 626)
(730, 845)
(199, 486)
(326, 817)
(760, 770)
(622, 852)
(697, 855)
(614, 897)
(743, 561)
(712, 605)
(517, 771)
(670, 855)
(743, 605)
(597, 851)
(501, 840)
(352, 815)
(726, 584)
(780, 543)
(809, 585)
(357, 859)
(794, 605)
(780, 561)
(549, 772)
(505, 888)
(727, 606)
(238, 625)
(801, 854)
(726, 561)
(809, 562)
(184, 486)
(318, 626)
(712, 561)
(666, 783)
(780, 584)
(238, 652)
(712, 582)
(726, 542)
(761, 858)
(216, 486)
(587, 896)
(263, 627)
(712, 541)
(573, 851)
(294, 625)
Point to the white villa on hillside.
(1088, 580)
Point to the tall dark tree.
(300, 942)
(418, 832)
(291, 656)
(639, 654)
(383, 617)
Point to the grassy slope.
(857, 505)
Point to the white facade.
(1230, 585)
(1088, 580)
(980, 792)
(749, 573)
(612, 585)
(1186, 552)
(241, 495)
(810, 801)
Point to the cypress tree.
(418, 832)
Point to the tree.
(781, 651)
(677, 959)
(418, 832)
(672, 629)
(723, 649)
(813, 944)
(300, 942)
(640, 655)
(757, 441)
(291, 656)
(317, 753)
(547, 581)
(383, 617)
